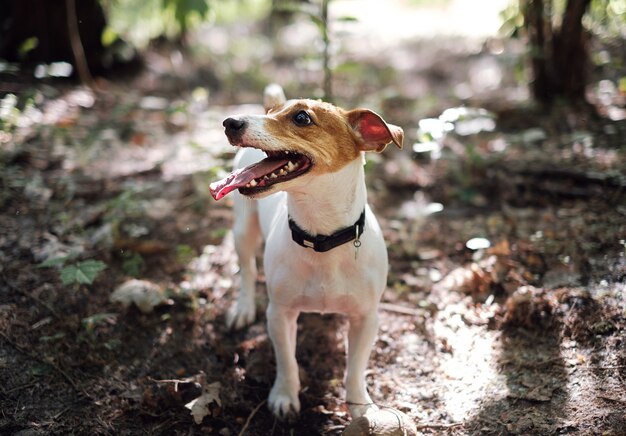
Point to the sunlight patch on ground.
(469, 366)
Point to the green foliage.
(84, 272)
(109, 36)
(604, 17)
(58, 261)
(185, 11)
(512, 19)
(219, 233)
(185, 254)
(127, 204)
(81, 272)
(40, 369)
(142, 21)
(607, 18)
(319, 16)
(28, 45)
(133, 264)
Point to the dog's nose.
(234, 127)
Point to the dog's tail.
(273, 96)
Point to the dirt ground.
(505, 308)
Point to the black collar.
(322, 243)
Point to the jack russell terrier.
(324, 250)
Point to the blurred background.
(501, 49)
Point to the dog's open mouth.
(277, 167)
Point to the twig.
(45, 362)
(29, 295)
(274, 426)
(256, 409)
(400, 309)
(607, 398)
(531, 364)
(175, 382)
(328, 79)
(438, 426)
(604, 367)
(19, 388)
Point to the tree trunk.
(559, 55)
(571, 51)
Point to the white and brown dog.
(324, 250)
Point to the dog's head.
(301, 138)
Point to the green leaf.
(59, 261)
(133, 263)
(39, 369)
(53, 261)
(109, 36)
(348, 19)
(83, 272)
(622, 85)
(28, 45)
(185, 254)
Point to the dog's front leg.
(246, 233)
(282, 329)
(361, 336)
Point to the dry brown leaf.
(200, 407)
(144, 294)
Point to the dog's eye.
(302, 119)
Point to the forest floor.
(505, 309)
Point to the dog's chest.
(341, 280)
(321, 283)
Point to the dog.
(300, 186)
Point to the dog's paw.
(284, 402)
(240, 315)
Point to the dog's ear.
(372, 131)
(273, 96)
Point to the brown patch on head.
(331, 137)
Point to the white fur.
(302, 280)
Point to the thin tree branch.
(77, 46)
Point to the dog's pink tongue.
(240, 178)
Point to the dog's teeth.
(290, 166)
(253, 183)
(282, 172)
(273, 176)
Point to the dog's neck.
(329, 202)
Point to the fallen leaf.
(200, 406)
(144, 294)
